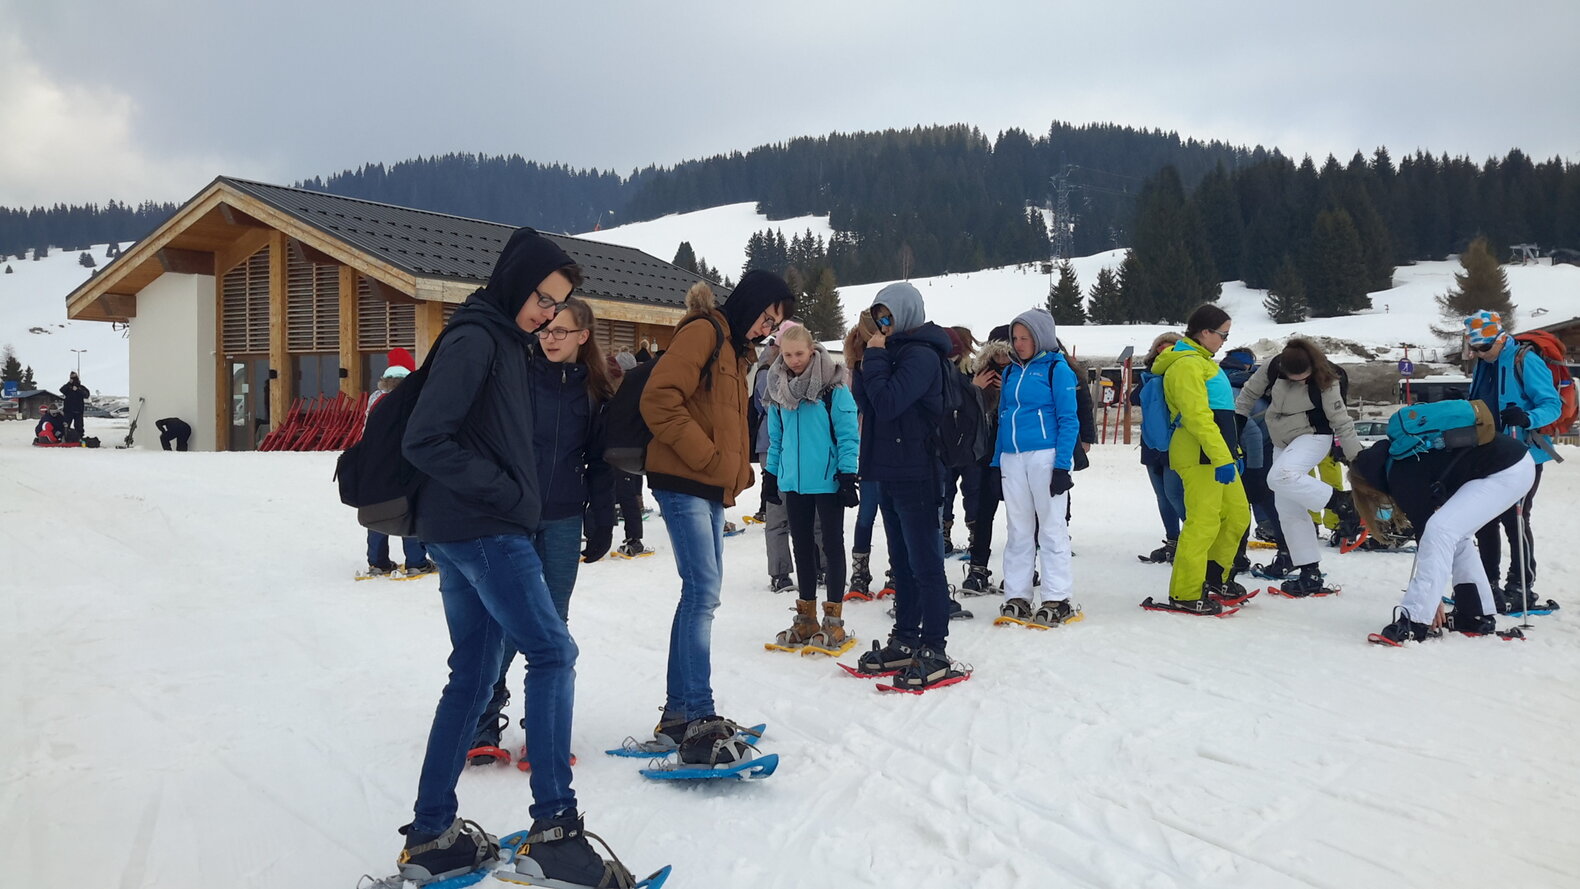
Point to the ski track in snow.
(193, 682)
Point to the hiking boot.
(978, 582)
(1403, 629)
(860, 574)
(1281, 567)
(633, 548)
(1205, 605)
(485, 748)
(381, 570)
(1162, 554)
(1241, 564)
(1515, 599)
(1015, 609)
(832, 633)
(462, 848)
(713, 741)
(557, 849)
(957, 611)
(1266, 533)
(1343, 506)
(1308, 583)
(779, 583)
(1477, 624)
(930, 667)
(822, 579)
(896, 655)
(670, 730)
(803, 628)
(425, 567)
(1053, 612)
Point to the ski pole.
(1525, 591)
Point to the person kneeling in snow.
(1445, 495)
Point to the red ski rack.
(319, 424)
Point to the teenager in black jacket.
(1445, 496)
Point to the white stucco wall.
(172, 357)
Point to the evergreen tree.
(85, 259)
(27, 378)
(10, 368)
(1482, 285)
(1170, 246)
(1107, 300)
(1286, 299)
(1334, 269)
(686, 258)
(8, 269)
(40, 252)
(824, 315)
(1219, 209)
(1064, 297)
(1133, 290)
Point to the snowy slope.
(197, 695)
(717, 235)
(34, 296)
(1404, 314)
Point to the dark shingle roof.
(435, 245)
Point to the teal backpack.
(1417, 429)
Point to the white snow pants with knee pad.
(1036, 520)
(1447, 554)
(1296, 493)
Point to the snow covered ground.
(717, 234)
(197, 694)
(33, 322)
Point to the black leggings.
(1490, 540)
(804, 511)
(628, 494)
(987, 509)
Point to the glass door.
(249, 402)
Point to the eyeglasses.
(559, 333)
(545, 301)
(1484, 347)
(1222, 334)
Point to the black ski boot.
(557, 849)
(1220, 590)
(1308, 583)
(929, 668)
(462, 848)
(713, 741)
(1163, 554)
(1468, 616)
(978, 582)
(891, 658)
(780, 583)
(1403, 630)
(1517, 600)
(1265, 532)
(1279, 569)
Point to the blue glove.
(1224, 474)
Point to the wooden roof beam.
(233, 216)
(387, 293)
(310, 255)
(186, 262)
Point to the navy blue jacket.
(568, 439)
(76, 396)
(900, 395)
(471, 432)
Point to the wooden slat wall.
(244, 308)
(381, 325)
(312, 306)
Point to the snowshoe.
(958, 611)
(1203, 607)
(1014, 612)
(978, 582)
(930, 669)
(1163, 554)
(377, 571)
(759, 518)
(485, 747)
(1230, 594)
(780, 583)
(1309, 583)
(888, 586)
(733, 530)
(714, 741)
(1519, 603)
(462, 848)
(801, 631)
(1403, 630)
(632, 549)
(1278, 569)
(634, 749)
(883, 661)
(1056, 612)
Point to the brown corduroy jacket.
(700, 444)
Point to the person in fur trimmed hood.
(813, 449)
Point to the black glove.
(1239, 424)
(1514, 415)
(848, 498)
(771, 489)
(598, 540)
(1061, 482)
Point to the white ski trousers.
(1296, 493)
(1447, 553)
(1036, 521)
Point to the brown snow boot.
(832, 634)
(805, 625)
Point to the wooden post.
(430, 321)
(281, 384)
(222, 394)
(1125, 397)
(350, 355)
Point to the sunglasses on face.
(1484, 347)
(1222, 334)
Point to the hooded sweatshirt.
(471, 430)
(1197, 393)
(900, 392)
(1037, 404)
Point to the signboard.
(9, 389)
(1406, 368)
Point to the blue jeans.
(379, 550)
(866, 513)
(916, 556)
(558, 543)
(696, 534)
(1170, 491)
(493, 592)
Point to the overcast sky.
(140, 99)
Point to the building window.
(317, 375)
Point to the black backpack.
(374, 476)
(962, 429)
(626, 435)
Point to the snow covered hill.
(717, 234)
(197, 695)
(33, 322)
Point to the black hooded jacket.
(471, 431)
(1421, 485)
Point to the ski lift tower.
(1061, 232)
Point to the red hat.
(399, 357)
